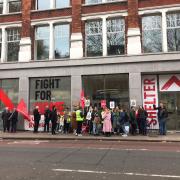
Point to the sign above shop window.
(169, 82)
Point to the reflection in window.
(43, 4)
(173, 31)
(13, 39)
(0, 42)
(107, 87)
(151, 34)
(115, 36)
(11, 88)
(14, 6)
(94, 38)
(62, 3)
(62, 33)
(93, 1)
(42, 42)
(1, 6)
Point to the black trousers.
(46, 126)
(36, 126)
(13, 126)
(79, 127)
(53, 129)
(6, 125)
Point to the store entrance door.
(172, 102)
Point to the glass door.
(172, 102)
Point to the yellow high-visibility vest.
(78, 116)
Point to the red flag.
(82, 99)
(22, 108)
(5, 99)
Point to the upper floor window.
(13, 40)
(42, 42)
(61, 41)
(115, 36)
(173, 31)
(14, 6)
(43, 4)
(94, 38)
(93, 1)
(1, 6)
(0, 41)
(52, 4)
(62, 4)
(152, 34)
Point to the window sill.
(13, 13)
(111, 2)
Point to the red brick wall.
(26, 18)
(153, 3)
(133, 18)
(51, 13)
(76, 16)
(10, 18)
(104, 7)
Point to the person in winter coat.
(162, 118)
(96, 119)
(37, 117)
(115, 120)
(54, 118)
(107, 126)
(142, 120)
(47, 118)
(79, 120)
(133, 121)
(6, 121)
(13, 120)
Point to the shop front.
(109, 90)
(166, 89)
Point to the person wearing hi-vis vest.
(79, 120)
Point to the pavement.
(27, 135)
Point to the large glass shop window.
(11, 88)
(50, 91)
(107, 87)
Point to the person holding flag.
(37, 117)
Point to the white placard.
(87, 102)
(169, 83)
(133, 102)
(150, 98)
(112, 104)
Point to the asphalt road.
(87, 160)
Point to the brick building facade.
(122, 51)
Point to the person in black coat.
(54, 119)
(6, 121)
(37, 117)
(13, 120)
(47, 118)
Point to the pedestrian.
(107, 126)
(67, 120)
(124, 122)
(37, 117)
(162, 118)
(54, 117)
(96, 121)
(89, 119)
(142, 120)
(79, 120)
(47, 118)
(13, 120)
(115, 120)
(133, 121)
(6, 121)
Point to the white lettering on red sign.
(150, 96)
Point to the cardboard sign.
(112, 104)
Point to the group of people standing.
(10, 119)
